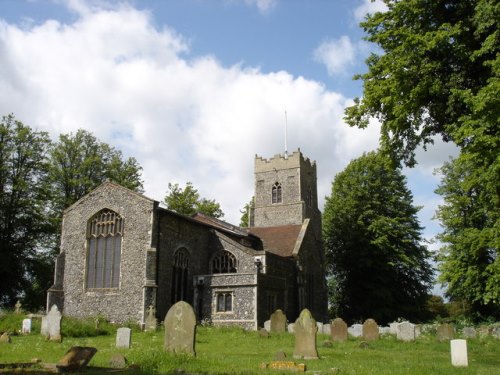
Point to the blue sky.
(195, 88)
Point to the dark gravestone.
(278, 321)
(370, 330)
(338, 330)
(76, 358)
(180, 329)
(305, 336)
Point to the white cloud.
(369, 7)
(184, 119)
(336, 54)
(264, 6)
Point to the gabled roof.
(284, 240)
(219, 224)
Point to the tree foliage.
(377, 264)
(24, 227)
(245, 212)
(438, 73)
(187, 201)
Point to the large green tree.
(438, 74)
(187, 201)
(377, 264)
(24, 227)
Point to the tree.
(244, 220)
(439, 74)
(80, 162)
(375, 258)
(187, 201)
(24, 227)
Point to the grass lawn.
(235, 351)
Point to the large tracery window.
(180, 275)
(224, 262)
(104, 242)
(276, 196)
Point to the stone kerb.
(278, 322)
(180, 329)
(305, 336)
(338, 330)
(370, 330)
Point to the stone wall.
(118, 304)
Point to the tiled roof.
(278, 240)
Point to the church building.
(121, 252)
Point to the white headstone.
(267, 325)
(459, 353)
(123, 337)
(54, 324)
(356, 330)
(291, 327)
(393, 327)
(26, 326)
(384, 330)
(406, 331)
(320, 327)
(327, 328)
(44, 329)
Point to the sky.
(194, 89)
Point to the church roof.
(282, 240)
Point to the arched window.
(180, 275)
(224, 262)
(104, 242)
(276, 193)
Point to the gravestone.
(118, 360)
(418, 330)
(320, 327)
(278, 321)
(459, 353)
(151, 323)
(384, 330)
(445, 332)
(26, 326)
(44, 328)
(54, 324)
(76, 358)
(305, 336)
(327, 328)
(495, 332)
(338, 330)
(18, 307)
(393, 328)
(123, 337)
(469, 332)
(356, 330)
(291, 328)
(267, 325)
(370, 330)
(180, 329)
(5, 338)
(406, 331)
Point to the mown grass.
(235, 351)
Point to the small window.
(276, 193)
(104, 241)
(224, 262)
(309, 197)
(224, 302)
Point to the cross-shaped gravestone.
(151, 323)
(18, 307)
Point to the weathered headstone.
(418, 330)
(320, 327)
(338, 330)
(44, 328)
(356, 330)
(151, 323)
(267, 325)
(495, 332)
(54, 324)
(406, 331)
(18, 307)
(327, 328)
(123, 337)
(118, 360)
(469, 332)
(180, 329)
(5, 338)
(445, 332)
(393, 328)
(278, 321)
(26, 326)
(76, 358)
(305, 336)
(264, 333)
(459, 353)
(370, 330)
(291, 328)
(384, 330)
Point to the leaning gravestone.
(338, 330)
(54, 324)
(76, 358)
(459, 353)
(278, 321)
(151, 322)
(406, 331)
(26, 326)
(180, 329)
(370, 330)
(123, 337)
(445, 332)
(305, 336)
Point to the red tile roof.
(278, 240)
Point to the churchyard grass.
(235, 351)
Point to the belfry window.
(276, 196)
(180, 275)
(224, 262)
(104, 242)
